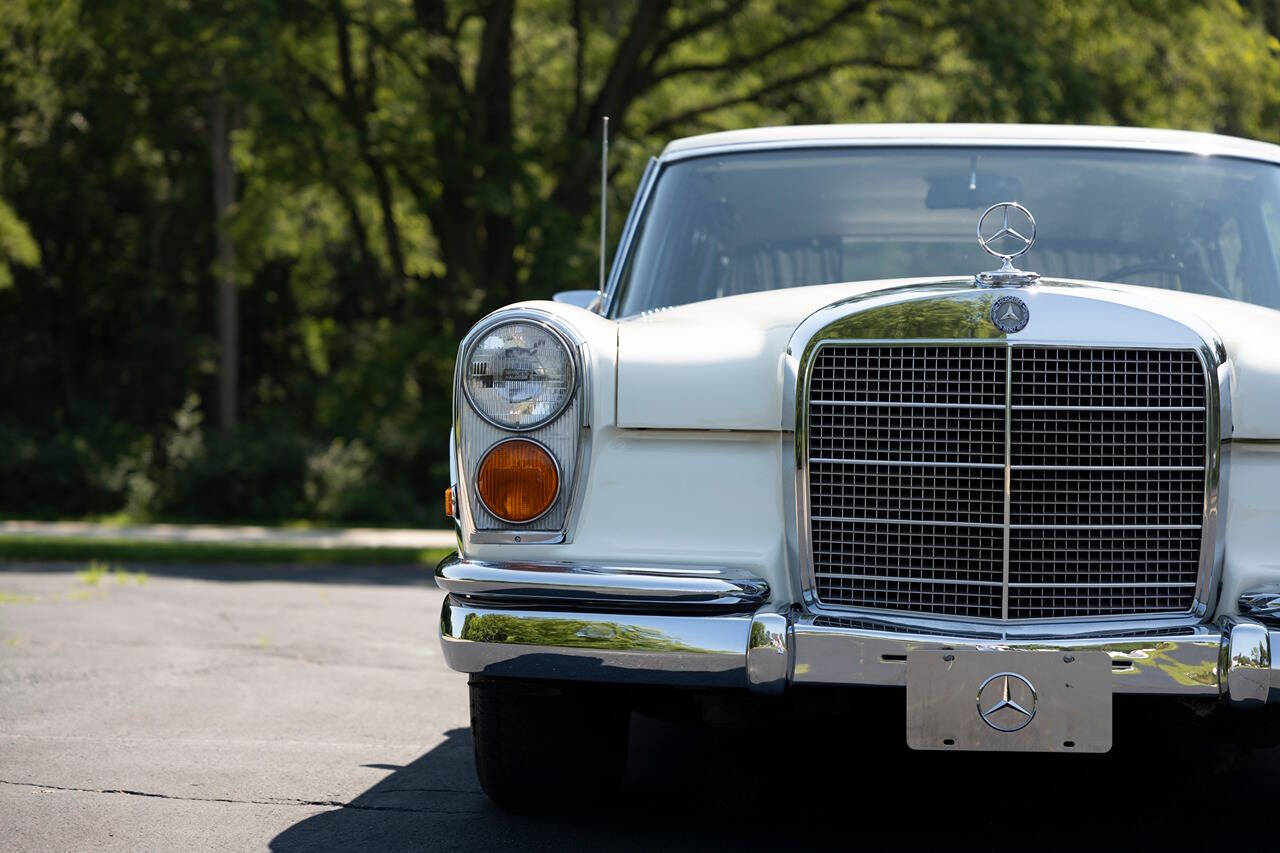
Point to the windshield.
(737, 223)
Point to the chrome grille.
(909, 447)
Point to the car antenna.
(604, 203)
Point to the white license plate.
(1009, 700)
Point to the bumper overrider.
(718, 628)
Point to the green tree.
(293, 208)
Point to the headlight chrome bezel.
(566, 434)
(571, 362)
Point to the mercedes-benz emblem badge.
(1007, 235)
(1010, 314)
(1006, 702)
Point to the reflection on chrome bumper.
(692, 651)
(699, 635)
(1183, 664)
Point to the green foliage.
(17, 246)
(253, 472)
(344, 484)
(404, 168)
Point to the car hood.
(718, 365)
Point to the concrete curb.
(352, 537)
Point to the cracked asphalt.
(309, 708)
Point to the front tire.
(547, 745)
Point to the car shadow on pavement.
(684, 790)
(694, 787)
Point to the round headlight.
(519, 375)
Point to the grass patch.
(98, 571)
(104, 551)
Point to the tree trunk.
(224, 194)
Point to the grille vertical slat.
(1106, 453)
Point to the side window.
(1230, 250)
(1265, 290)
(1271, 222)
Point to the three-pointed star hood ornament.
(1016, 231)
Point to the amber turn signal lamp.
(448, 502)
(518, 480)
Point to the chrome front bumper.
(706, 627)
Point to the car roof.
(1012, 135)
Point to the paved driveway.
(309, 708)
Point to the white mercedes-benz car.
(803, 442)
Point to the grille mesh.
(907, 449)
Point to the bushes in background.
(255, 473)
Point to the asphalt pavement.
(309, 708)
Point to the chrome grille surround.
(987, 541)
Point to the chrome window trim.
(798, 363)
(1153, 146)
(465, 495)
(623, 252)
(554, 461)
(464, 357)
